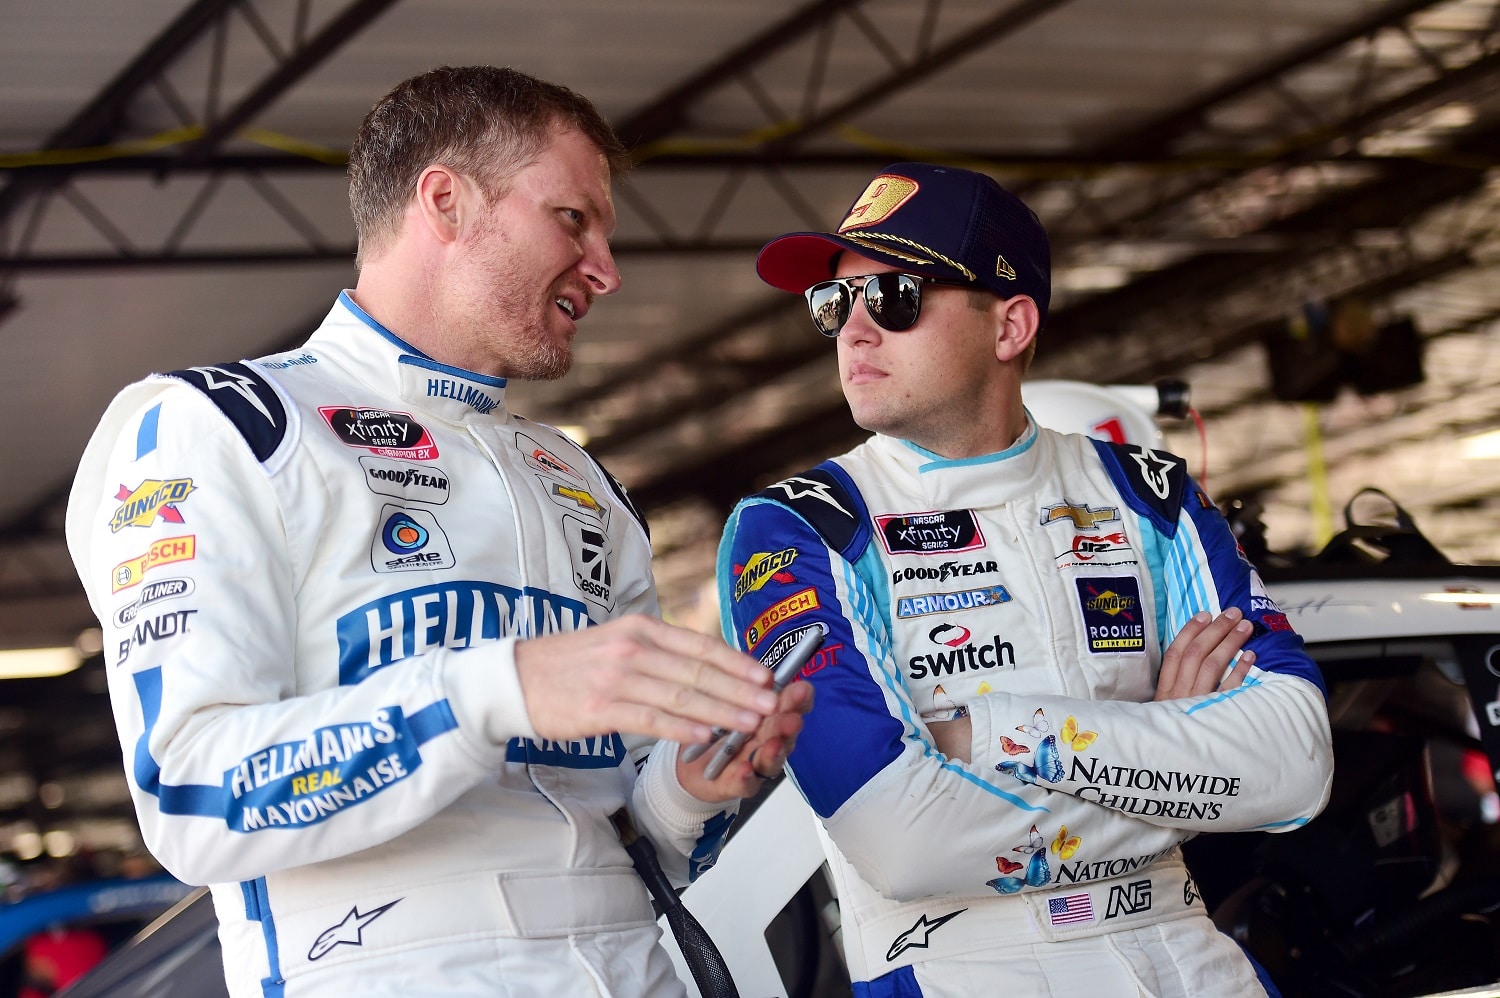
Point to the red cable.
(1202, 447)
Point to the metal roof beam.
(99, 120)
(668, 112)
(349, 22)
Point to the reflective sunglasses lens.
(829, 304)
(894, 301)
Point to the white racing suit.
(1036, 589)
(311, 571)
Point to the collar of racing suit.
(393, 367)
(1008, 474)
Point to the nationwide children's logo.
(140, 506)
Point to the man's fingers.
(1195, 662)
(1238, 674)
(1171, 662)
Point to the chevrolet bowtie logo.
(1084, 517)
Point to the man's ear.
(1016, 325)
(444, 201)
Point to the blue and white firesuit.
(311, 572)
(1034, 589)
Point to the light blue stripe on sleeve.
(145, 437)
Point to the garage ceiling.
(172, 193)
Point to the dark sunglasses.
(893, 300)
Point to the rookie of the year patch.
(1113, 617)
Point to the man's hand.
(638, 675)
(1195, 662)
(1193, 665)
(761, 758)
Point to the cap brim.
(798, 260)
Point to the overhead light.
(578, 434)
(1481, 446)
(39, 663)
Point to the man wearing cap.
(1022, 709)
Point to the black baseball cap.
(939, 221)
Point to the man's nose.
(600, 271)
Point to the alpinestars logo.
(797, 487)
(349, 932)
(590, 550)
(917, 936)
(1129, 899)
(1154, 470)
(216, 378)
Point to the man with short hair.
(384, 656)
(1023, 707)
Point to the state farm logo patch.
(941, 532)
(1113, 618)
(381, 432)
(409, 540)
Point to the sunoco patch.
(1113, 617)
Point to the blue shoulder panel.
(246, 398)
(828, 500)
(1151, 482)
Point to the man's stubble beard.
(521, 341)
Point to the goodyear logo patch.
(140, 506)
(793, 606)
(131, 571)
(760, 568)
(1112, 614)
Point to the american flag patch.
(1070, 909)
